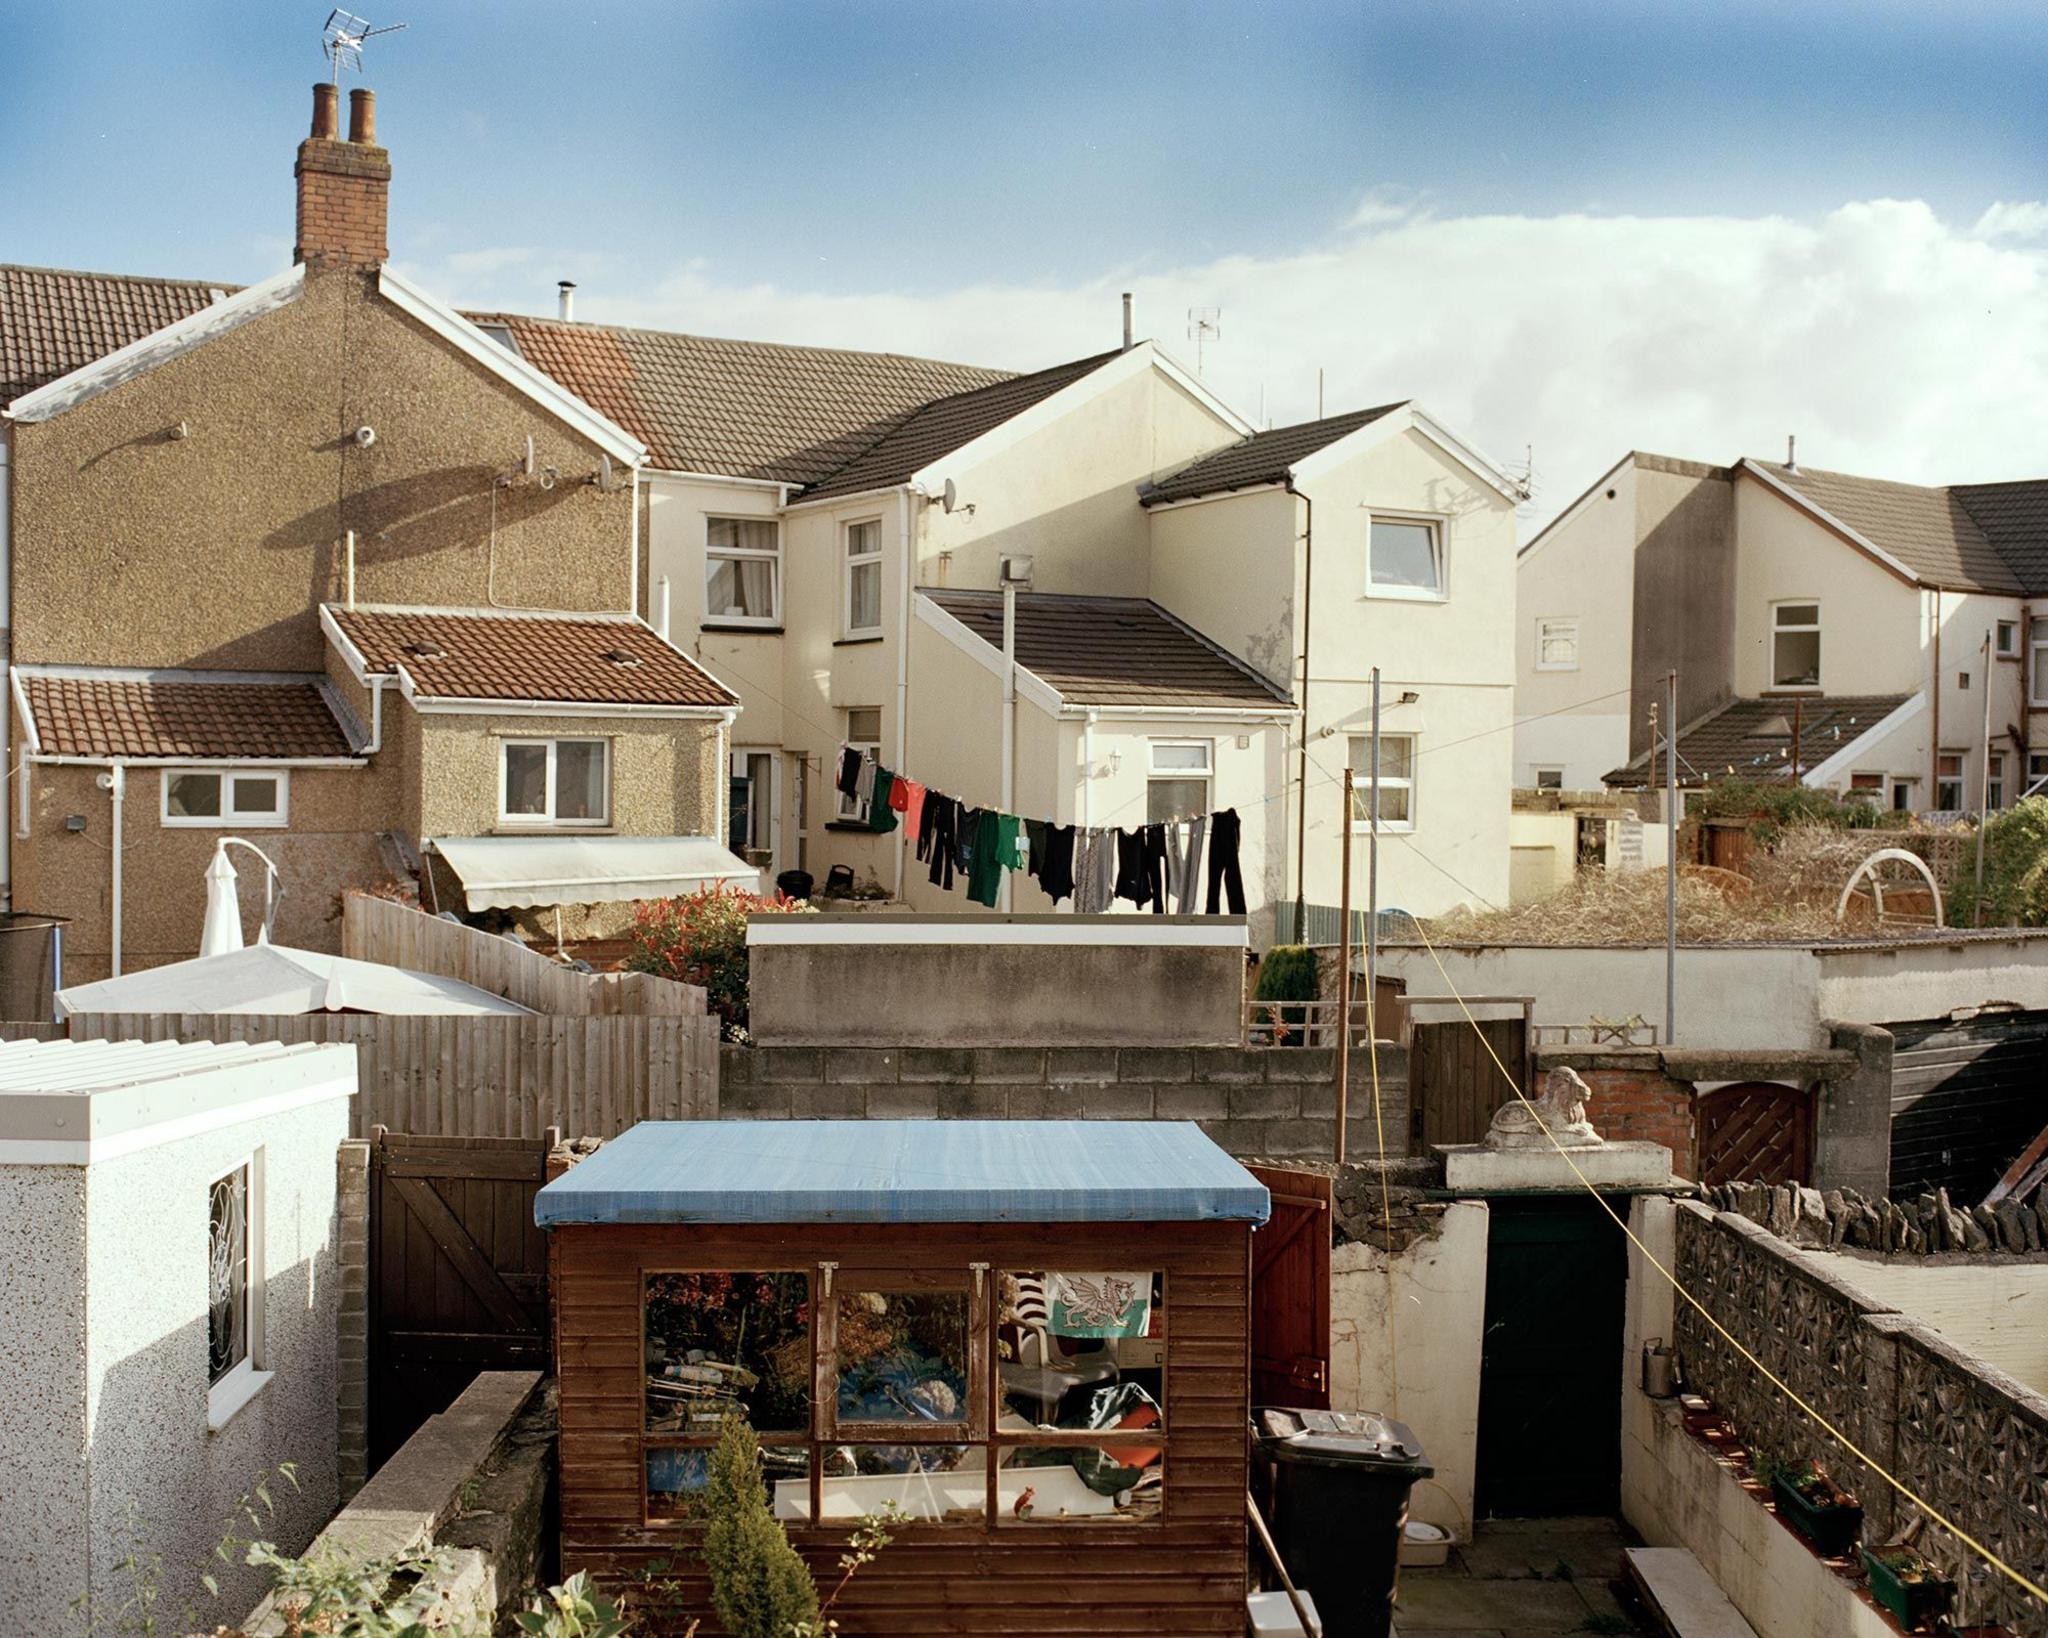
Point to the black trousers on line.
(1224, 830)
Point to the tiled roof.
(479, 654)
(1752, 738)
(747, 409)
(1264, 457)
(2014, 518)
(938, 428)
(53, 321)
(1111, 650)
(162, 717)
(1929, 530)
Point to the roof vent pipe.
(1128, 339)
(362, 116)
(567, 302)
(1791, 453)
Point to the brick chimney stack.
(344, 187)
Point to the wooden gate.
(458, 1272)
(1755, 1132)
(1454, 1084)
(1290, 1302)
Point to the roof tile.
(1263, 458)
(1752, 738)
(1112, 650)
(1929, 530)
(53, 321)
(211, 720)
(481, 654)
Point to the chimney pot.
(362, 116)
(344, 188)
(326, 111)
(566, 299)
(1129, 334)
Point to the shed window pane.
(1081, 1348)
(902, 1357)
(194, 796)
(947, 1483)
(722, 1345)
(1095, 1484)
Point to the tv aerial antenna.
(343, 38)
(1205, 324)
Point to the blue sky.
(981, 177)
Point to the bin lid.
(1340, 1439)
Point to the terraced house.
(1856, 634)
(528, 604)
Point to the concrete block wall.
(352, 1323)
(1278, 1103)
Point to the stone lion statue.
(1560, 1113)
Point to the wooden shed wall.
(1184, 1573)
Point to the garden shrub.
(701, 938)
(1288, 973)
(2015, 872)
(760, 1586)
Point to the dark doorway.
(1550, 1363)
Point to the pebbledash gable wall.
(1276, 1104)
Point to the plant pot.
(1907, 1585)
(1818, 1508)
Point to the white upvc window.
(2037, 661)
(2037, 773)
(1795, 645)
(1996, 788)
(1547, 779)
(554, 782)
(1178, 779)
(863, 734)
(234, 1278)
(1397, 782)
(1404, 557)
(215, 798)
(743, 571)
(2006, 643)
(862, 610)
(1948, 782)
(1557, 645)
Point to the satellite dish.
(526, 465)
(605, 482)
(950, 497)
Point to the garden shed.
(1029, 1337)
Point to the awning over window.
(519, 872)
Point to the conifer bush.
(1288, 973)
(760, 1586)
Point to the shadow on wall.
(162, 1483)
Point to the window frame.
(248, 1376)
(980, 1428)
(548, 820)
(2005, 639)
(1994, 777)
(851, 810)
(1567, 620)
(1779, 628)
(1361, 781)
(744, 554)
(850, 561)
(1438, 527)
(230, 817)
(1205, 777)
(2037, 661)
(1959, 779)
(767, 791)
(1539, 774)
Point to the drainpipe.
(117, 790)
(633, 545)
(1308, 569)
(1934, 751)
(1087, 787)
(1009, 736)
(661, 607)
(349, 558)
(905, 500)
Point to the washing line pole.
(1372, 860)
(1983, 787)
(1671, 857)
(1344, 978)
(1009, 708)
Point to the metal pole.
(1344, 978)
(1009, 712)
(1984, 784)
(1372, 862)
(1671, 858)
(1797, 720)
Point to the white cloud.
(1891, 342)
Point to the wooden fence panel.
(1454, 1084)
(482, 1077)
(376, 929)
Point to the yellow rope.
(2032, 1589)
(1372, 1030)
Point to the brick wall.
(1643, 1106)
(352, 1320)
(1279, 1104)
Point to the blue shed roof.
(905, 1171)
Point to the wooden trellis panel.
(1756, 1132)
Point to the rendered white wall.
(1997, 1311)
(1422, 1365)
